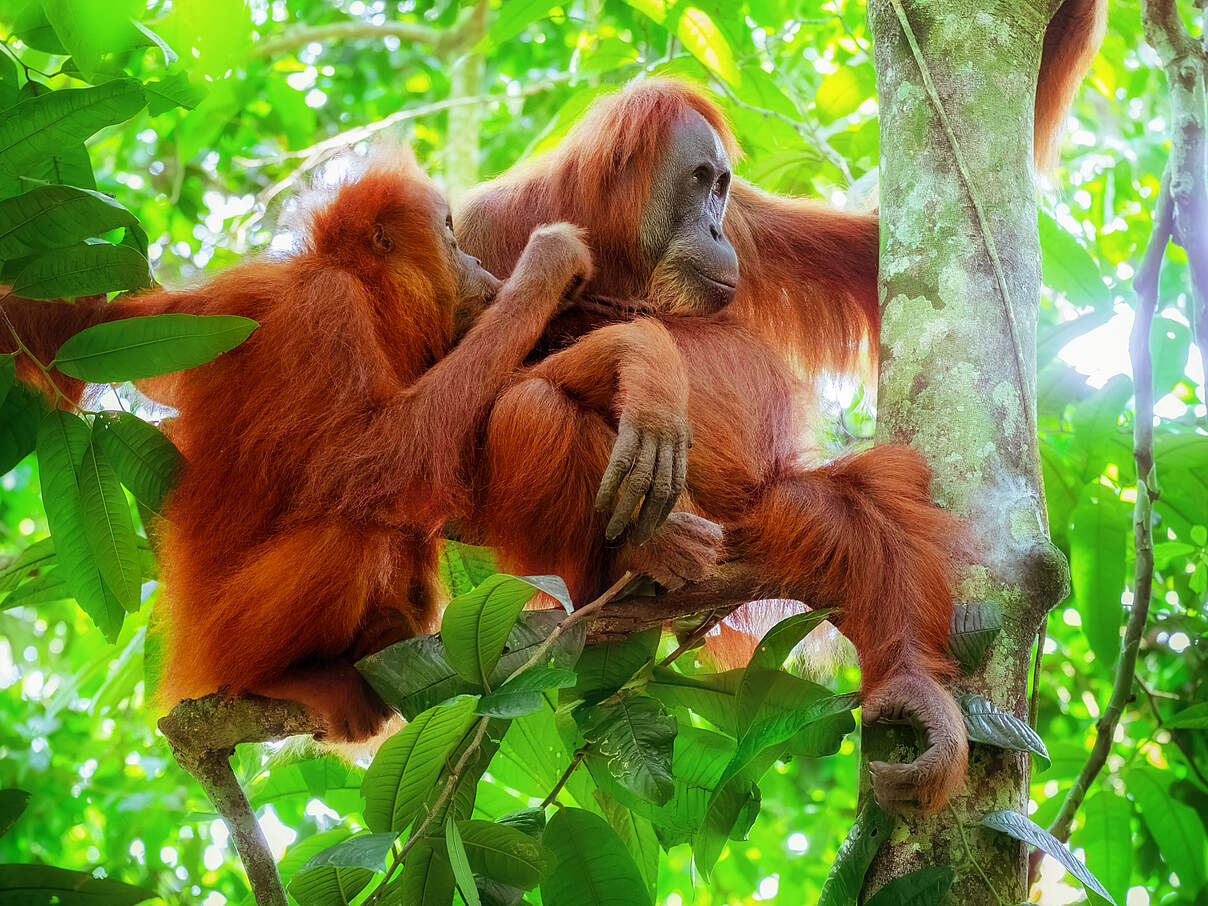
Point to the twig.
(710, 620)
(25, 350)
(1027, 403)
(1152, 697)
(439, 39)
(580, 754)
(203, 734)
(1146, 285)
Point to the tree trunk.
(960, 279)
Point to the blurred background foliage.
(253, 99)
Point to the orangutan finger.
(634, 488)
(624, 450)
(655, 505)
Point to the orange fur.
(325, 453)
(859, 534)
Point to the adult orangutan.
(324, 455)
(759, 294)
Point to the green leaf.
(406, 767)
(701, 757)
(505, 854)
(8, 375)
(171, 91)
(846, 877)
(844, 90)
(1106, 836)
(711, 695)
(987, 724)
(513, 18)
(1193, 718)
(1170, 342)
(924, 887)
(51, 217)
(529, 820)
(593, 865)
(1097, 567)
(329, 886)
(20, 415)
(145, 461)
(415, 674)
(522, 695)
(1021, 828)
(427, 877)
(109, 528)
(705, 41)
(1055, 338)
(779, 641)
(1068, 267)
(974, 628)
(368, 851)
(63, 439)
(1175, 826)
(23, 884)
(476, 625)
(37, 557)
(605, 668)
(12, 804)
(461, 865)
(636, 737)
(143, 347)
(463, 567)
(83, 270)
(38, 127)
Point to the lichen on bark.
(957, 380)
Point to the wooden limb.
(203, 734)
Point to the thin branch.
(1146, 285)
(203, 734)
(439, 40)
(580, 754)
(1151, 696)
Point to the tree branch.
(439, 40)
(1146, 285)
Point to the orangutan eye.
(449, 222)
(700, 175)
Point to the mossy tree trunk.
(960, 281)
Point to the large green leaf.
(37, 557)
(705, 41)
(460, 862)
(8, 375)
(476, 625)
(462, 567)
(593, 865)
(1106, 836)
(50, 217)
(522, 695)
(700, 758)
(20, 415)
(636, 737)
(171, 91)
(711, 695)
(1193, 718)
(63, 440)
(145, 461)
(83, 270)
(1175, 826)
(985, 723)
(363, 850)
(427, 877)
(924, 887)
(1068, 268)
(12, 804)
(505, 854)
(779, 641)
(144, 347)
(109, 528)
(329, 886)
(869, 832)
(1023, 828)
(1097, 567)
(40, 126)
(406, 767)
(41, 885)
(606, 667)
(974, 627)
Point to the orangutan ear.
(381, 242)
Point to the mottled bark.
(960, 279)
